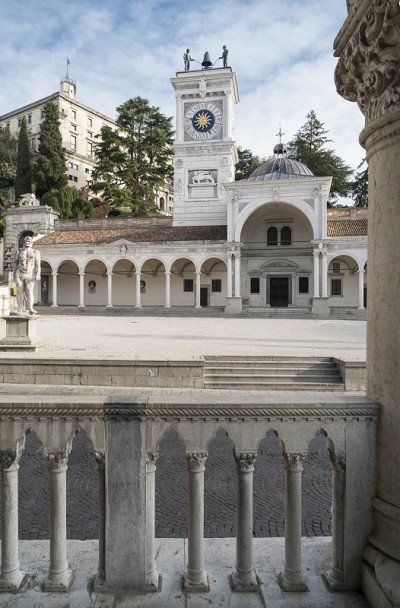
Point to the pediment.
(278, 264)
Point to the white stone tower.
(205, 150)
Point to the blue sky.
(281, 51)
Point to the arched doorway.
(123, 283)
(67, 284)
(95, 283)
(45, 285)
(344, 282)
(213, 282)
(183, 282)
(153, 283)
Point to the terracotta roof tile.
(146, 234)
(348, 227)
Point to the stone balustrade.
(126, 433)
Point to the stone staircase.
(272, 373)
(275, 313)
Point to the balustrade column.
(335, 577)
(153, 581)
(324, 271)
(54, 276)
(291, 579)
(244, 577)
(316, 273)
(81, 290)
(109, 289)
(167, 290)
(196, 579)
(101, 571)
(198, 292)
(138, 294)
(237, 275)
(361, 289)
(229, 277)
(11, 577)
(60, 575)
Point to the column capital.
(245, 461)
(8, 458)
(54, 273)
(100, 459)
(57, 461)
(151, 457)
(196, 461)
(361, 270)
(294, 460)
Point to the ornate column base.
(296, 585)
(58, 581)
(17, 583)
(244, 582)
(99, 585)
(191, 587)
(333, 582)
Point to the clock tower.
(205, 150)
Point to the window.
(71, 165)
(19, 122)
(90, 134)
(42, 113)
(286, 235)
(72, 142)
(87, 170)
(272, 236)
(336, 267)
(187, 284)
(89, 122)
(70, 177)
(336, 287)
(216, 285)
(75, 178)
(74, 114)
(89, 148)
(29, 119)
(75, 167)
(255, 285)
(89, 182)
(303, 285)
(8, 126)
(73, 127)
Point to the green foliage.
(309, 146)
(69, 202)
(360, 186)
(8, 159)
(23, 178)
(133, 161)
(247, 163)
(50, 169)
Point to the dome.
(279, 167)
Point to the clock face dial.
(203, 121)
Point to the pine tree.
(360, 186)
(69, 202)
(133, 161)
(23, 178)
(247, 163)
(309, 147)
(50, 169)
(8, 159)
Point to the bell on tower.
(67, 84)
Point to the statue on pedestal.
(224, 56)
(26, 273)
(187, 59)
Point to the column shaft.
(292, 577)
(196, 579)
(109, 290)
(54, 298)
(324, 271)
(198, 286)
(138, 294)
(59, 577)
(335, 577)
(152, 578)
(361, 289)
(316, 274)
(81, 289)
(101, 572)
(229, 277)
(244, 576)
(167, 290)
(237, 276)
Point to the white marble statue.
(26, 273)
(203, 177)
(28, 200)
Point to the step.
(273, 366)
(280, 386)
(232, 378)
(246, 371)
(275, 360)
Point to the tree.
(309, 146)
(134, 160)
(23, 178)
(360, 186)
(8, 159)
(69, 202)
(49, 169)
(247, 163)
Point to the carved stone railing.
(126, 433)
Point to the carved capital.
(196, 461)
(368, 71)
(245, 461)
(57, 461)
(151, 458)
(7, 459)
(294, 461)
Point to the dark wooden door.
(279, 291)
(203, 296)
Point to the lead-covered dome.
(279, 166)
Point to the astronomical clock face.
(203, 121)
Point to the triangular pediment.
(279, 263)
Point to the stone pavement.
(121, 337)
(171, 555)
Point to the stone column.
(179, 118)
(368, 47)
(316, 273)
(11, 577)
(153, 580)
(292, 579)
(109, 289)
(335, 577)
(237, 276)
(167, 290)
(101, 571)
(198, 286)
(138, 294)
(244, 576)
(229, 277)
(227, 116)
(196, 579)
(361, 289)
(324, 271)
(60, 575)
(54, 276)
(81, 290)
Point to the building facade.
(268, 241)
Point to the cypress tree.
(50, 169)
(23, 178)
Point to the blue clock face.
(203, 121)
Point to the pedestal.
(320, 307)
(233, 305)
(19, 333)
